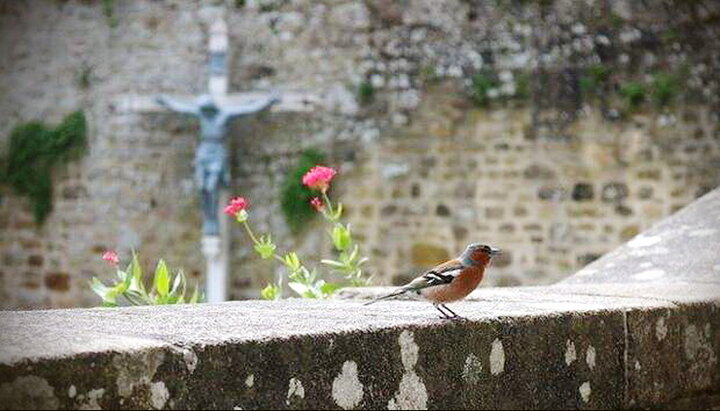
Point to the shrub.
(365, 93)
(634, 93)
(294, 196)
(481, 84)
(129, 287)
(34, 149)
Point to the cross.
(215, 111)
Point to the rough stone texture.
(583, 343)
(555, 169)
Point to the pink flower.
(317, 204)
(235, 206)
(319, 177)
(111, 257)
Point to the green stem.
(249, 231)
(330, 213)
(254, 239)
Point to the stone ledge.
(652, 341)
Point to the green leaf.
(329, 288)
(99, 288)
(179, 281)
(270, 292)
(341, 237)
(195, 296)
(300, 289)
(136, 270)
(338, 212)
(135, 298)
(265, 247)
(354, 253)
(161, 280)
(333, 263)
(292, 261)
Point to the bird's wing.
(444, 273)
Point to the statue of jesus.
(211, 159)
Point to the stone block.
(428, 255)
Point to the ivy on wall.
(35, 148)
(294, 196)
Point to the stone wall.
(637, 329)
(487, 122)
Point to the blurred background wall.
(555, 130)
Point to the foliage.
(109, 12)
(522, 86)
(308, 283)
(271, 292)
(365, 93)
(664, 88)
(634, 93)
(349, 262)
(593, 78)
(428, 74)
(129, 287)
(481, 84)
(294, 196)
(34, 149)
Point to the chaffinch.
(450, 281)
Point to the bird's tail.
(385, 297)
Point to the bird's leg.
(451, 311)
(445, 315)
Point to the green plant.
(294, 196)
(522, 86)
(129, 288)
(109, 12)
(664, 88)
(365, 93)
(634, 93)
(481, 85)
(428, 74)
(34, 149)
(593, 78)
(304, 282)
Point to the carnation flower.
(318, 178)
(235, 206)
(317, 203)
(111, 257)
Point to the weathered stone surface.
(680, 249)
(583, 343)
(401, 352)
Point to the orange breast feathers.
(458, 289)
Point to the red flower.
(235, 206)
(317, 204)
(111, 257)
(319, 177)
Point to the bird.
(450, 281)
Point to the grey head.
(477, 253)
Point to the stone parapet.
(616, 335)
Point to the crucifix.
(215, 111)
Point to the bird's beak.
(495, 251)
